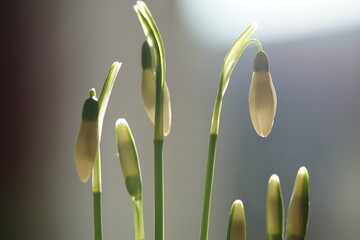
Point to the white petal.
(148, 93)
(262, 103)
(86, 149)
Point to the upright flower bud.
(274, 210)
(237, 223)
(148, 89)
(128, 158)
(298, 212)
(87, 142)
(262, 96)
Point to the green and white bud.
(274, 210)
(298, 212)
(237, 223)
(87, 142)
(128, 158)
(148, 90)
(262, 96)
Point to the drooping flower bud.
(262, 96)
(87, 142)
(128, 158)
(237, 222)
(148, 89)
(298, 212)
(274, 210)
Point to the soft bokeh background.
(55, 51)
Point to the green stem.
(96, 174)
(208, 187)
(151, 31)
(138, 219)
(159, 189)
(97, 215)
(97, 189)
(257, 42)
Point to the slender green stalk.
(96, 175)
(229, 64)
(159, 189)
(138, 219)
(97, 215)
(97, 189)
(208, 187)
(153, 36)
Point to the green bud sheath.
(262, 96)
(90, 109)
(237, 223)
(87, 142)
(298, 213)
(261, 62)
(274, 210)
(128, 158)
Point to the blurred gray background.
(55, 51)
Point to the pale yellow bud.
(148, 93)
(128, 158)
(298, 212)
(127, 150)
(262, 103)
(237, 222)
(274, 209)
(86, 148)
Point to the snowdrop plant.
(156, 99)
(87, 149)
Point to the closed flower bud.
(262, 96)
(128, 158)
(274, 210)
(148, 90)
(87, 142)
(298, 212)
(237, 222)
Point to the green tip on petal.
(128, 158)
(274, 209)
(298, 213)
(237, 222)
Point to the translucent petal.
(262, 103)
(148, 93)
(86, 149)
